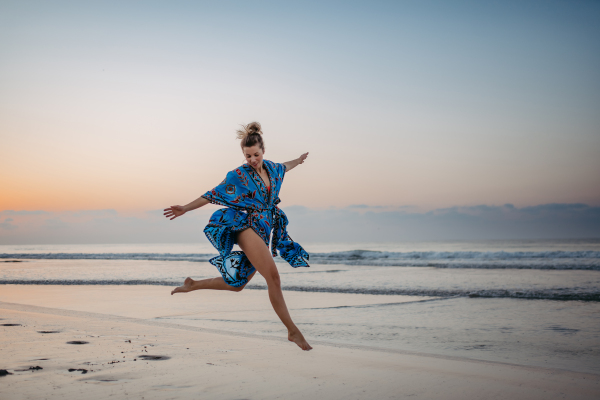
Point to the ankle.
(294, 332)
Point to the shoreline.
(437, 293)
(121, 325)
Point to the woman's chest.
(265, 177)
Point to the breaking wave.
(582, 260)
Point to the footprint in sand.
(83, 370)
(154, 358)
(30, 369)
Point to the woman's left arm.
(289, 165)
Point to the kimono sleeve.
(232, 192)
(280, 170)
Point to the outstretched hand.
(294, 163)
(174, 212)
(303, 157)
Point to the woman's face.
(254, 155)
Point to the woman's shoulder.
(277, 167)
(237, 174)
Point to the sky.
(113, 110)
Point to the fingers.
(173, 212)
(170, 213)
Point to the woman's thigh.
(258, 253)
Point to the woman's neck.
(258, 169)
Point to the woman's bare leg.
(212, 283)
(260, 257)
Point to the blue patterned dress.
(250, 204)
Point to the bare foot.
(186, 287)
(299, 340)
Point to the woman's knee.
(237, 288)
(273, 278)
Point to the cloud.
(6, 225)
(155, 213)
(25, 212)
(55, 223)
(546, 221)
(350, 224)
(358, 206)
(371, 207)
(95, 213)
(104, 226)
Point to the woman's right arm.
(177, 211)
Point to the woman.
(250, 194)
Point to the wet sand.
(94, 342)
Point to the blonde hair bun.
(251, 135)
(253, 128)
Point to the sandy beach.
(127, 348)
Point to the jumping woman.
(250, 194)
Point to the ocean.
(530, 302)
